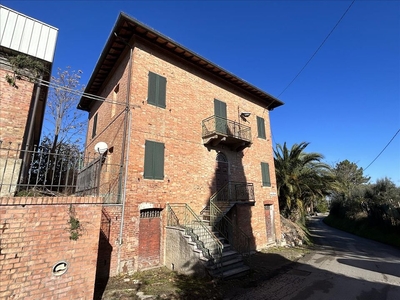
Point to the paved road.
(342, 267)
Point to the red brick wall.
(189, 166)
(35, 237)
(14, 108)
(107, 261)
(149, 242)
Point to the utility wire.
(51, 84)
(316, 51)
(79, 93)
(383, 149)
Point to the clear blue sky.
(346, 102)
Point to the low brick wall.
(35, 235)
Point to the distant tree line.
(306, 184)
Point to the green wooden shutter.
(266, 181)
(148, 159)
(219, 108)
(221, 125)
(152, 89)
(157, 90)
(158, 160)
(153, 160)
(161, 89)
(261, 128)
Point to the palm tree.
(301, 179)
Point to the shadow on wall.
(103, 257)
(229, 172)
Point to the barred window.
(150, 213)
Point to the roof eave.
(126, 27)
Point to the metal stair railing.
(181, 215)
(234, 192)
(236, 237)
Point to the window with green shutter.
(157, 90)
(221, 124)
(154, 160)
(261, 128)
(266, 181)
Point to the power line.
(79, 93)
(316, 51)
(383, 149)
(51, 84)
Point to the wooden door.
(269, 223)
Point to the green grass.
(361, 227)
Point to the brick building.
(22, 104)
(178, 129)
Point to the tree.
(302, 179)
(382, 203)
(349, 176)
(350, 188)
(55, 164)
(67, 124)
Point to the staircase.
(221, 261)
(212, 234)
(231, 264)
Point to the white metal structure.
(27, 35)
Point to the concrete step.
(237, 272)
(228, 271)
(229, 264)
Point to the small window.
(150, 213)
(157, 90)
(266, 181)
(154, 160)
(94, 128)
(261, 128)
(115, 99)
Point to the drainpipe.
(125, 153)
(30, 130)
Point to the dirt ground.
(161, 283)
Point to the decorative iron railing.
(63, 172)
(222, 126)
(236, 237)
(181, 215)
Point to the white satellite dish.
(101, 147)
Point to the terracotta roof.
(126, 27)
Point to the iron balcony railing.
(181, 215)
(221, 126)
(234, 192)
(63, 172)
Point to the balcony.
(220, 131)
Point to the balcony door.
(221, 125)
